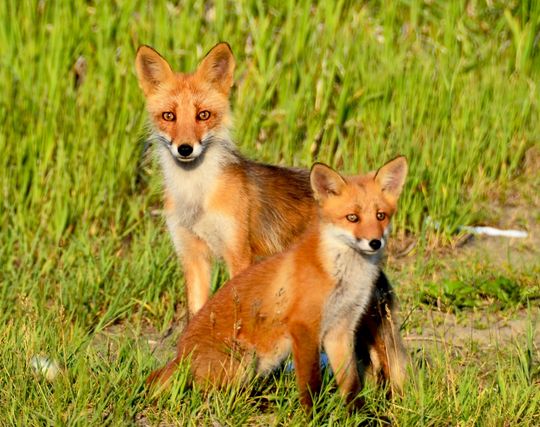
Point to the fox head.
(188, 111)
(357, 210)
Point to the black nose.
(375, 244)
(185, 150)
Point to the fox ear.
(217, 67)
(152, 69)
(391, 176)
(325, 181)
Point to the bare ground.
(517, 207)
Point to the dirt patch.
(479, 329)
(162, 345)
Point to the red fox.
(219, 204)
(310, 296)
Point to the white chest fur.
(190, 189)
(355, 277)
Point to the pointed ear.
(325, 181)
(152, 69)
(217, 67)
(391, 176)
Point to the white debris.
(492, 231)
(45, 366)
(486, 231)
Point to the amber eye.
(203, 115)
(168, 116)
(352, 218)
(381, 216)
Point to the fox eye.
(381, 216)
(352, 218)
(168, 116)
(203, 115)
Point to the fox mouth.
(357, 247)
(183, 159)
(368, 251)
(194, 154)
(186, 162)
(363, 251)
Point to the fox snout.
(371, 245)
(185, 152)
(375, 241)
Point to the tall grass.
(452, 85)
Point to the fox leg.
(305, 348)
(195, 256)
(230, 219)
(228, 238)
(238, 256)
(338, 343)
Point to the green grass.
(453, 85)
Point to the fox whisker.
(210, 139)
(161, 139)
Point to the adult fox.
(304, 299)
(220, 204)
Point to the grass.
(83, 248)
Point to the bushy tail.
(396, 355)
(379, 345)
(160, 378)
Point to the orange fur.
(310, 296)
(217, 203)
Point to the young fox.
(310, 296)
(219, 204)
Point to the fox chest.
(349, 300)
(186, 202)
(188, 193)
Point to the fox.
(219, 204)
(305, 299)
